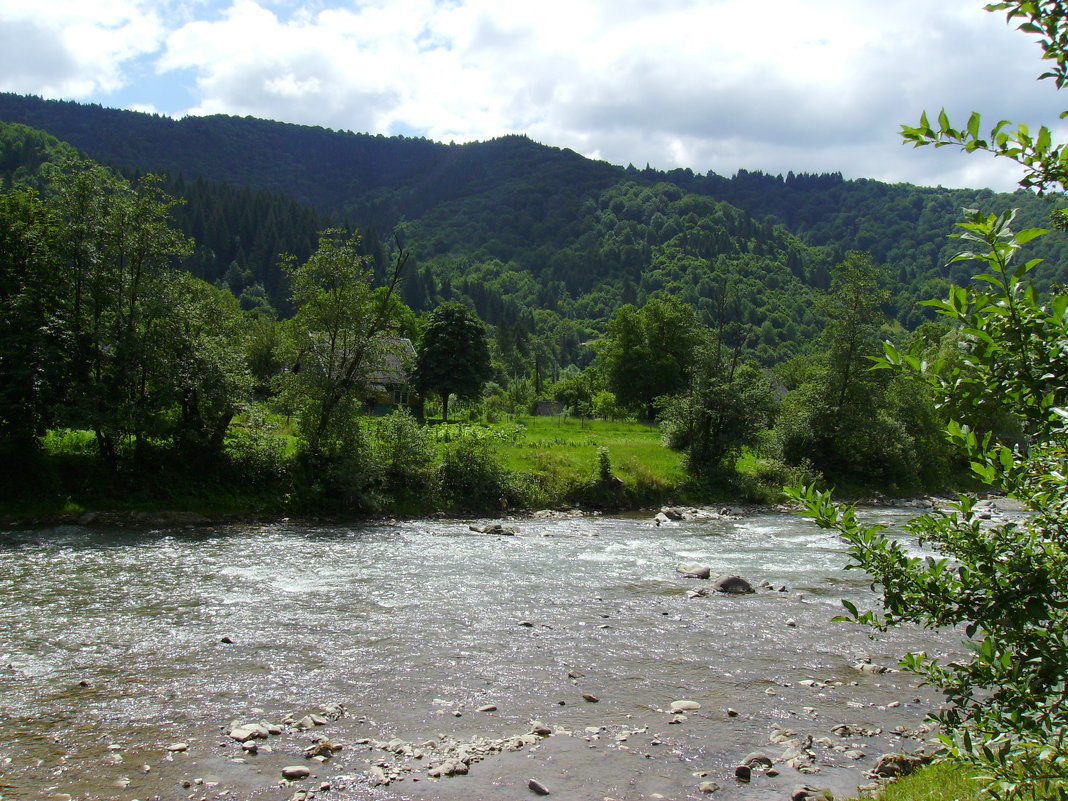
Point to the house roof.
(391, 361)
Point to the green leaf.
(1025, 236)
(943, 121)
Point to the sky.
(721, 85)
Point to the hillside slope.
(520, 228)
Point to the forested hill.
(377, 180)
(520, 228)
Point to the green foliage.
(257, 452)
(471, 477)
(1005, 583)
(852, 423)
(405, 455)
(23, 151)
(344, 480)
(760, 479)
(329, 343)
(452, 357)
(938, 781)
(207, 378)
(99, 331)
(31, 330)
(726, 408)
(647, 352)
(604, 465)
(577, 392)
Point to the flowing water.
(112, 649)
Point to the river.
(116, 645)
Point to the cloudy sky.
(802, 85)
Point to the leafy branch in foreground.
(1045, 162)
(1006, 585)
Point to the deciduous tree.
(1005, 584)
(453, 357)
(647, 353)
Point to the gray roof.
(391, 361)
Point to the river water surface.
(112, 649)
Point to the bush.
(255, 451)
(405, 456)
(471, 477)
(342, 480)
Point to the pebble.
(590, 697)
(743, 773)
(178, 747)
(708, 787)
(487, 708)
(684, 706)
(867, 667)
(537, 787)
(757, 759)
(295, 772)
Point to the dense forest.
(536, 227)
(155, 321)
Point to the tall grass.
(939, 781)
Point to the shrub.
(405, 456)
(471, 477)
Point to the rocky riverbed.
(560, 655)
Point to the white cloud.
(71, 49)
(808, 85)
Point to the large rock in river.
(733, 585)
(694, 570)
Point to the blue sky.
(809, 86)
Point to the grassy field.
(567, 448)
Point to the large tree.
(728, 402)
(31, 321)
(330, 341)
(453, 357)
(850, 422)
(647, 353)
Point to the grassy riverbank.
(940, 781)
(514, 464)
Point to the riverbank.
(462, 468)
